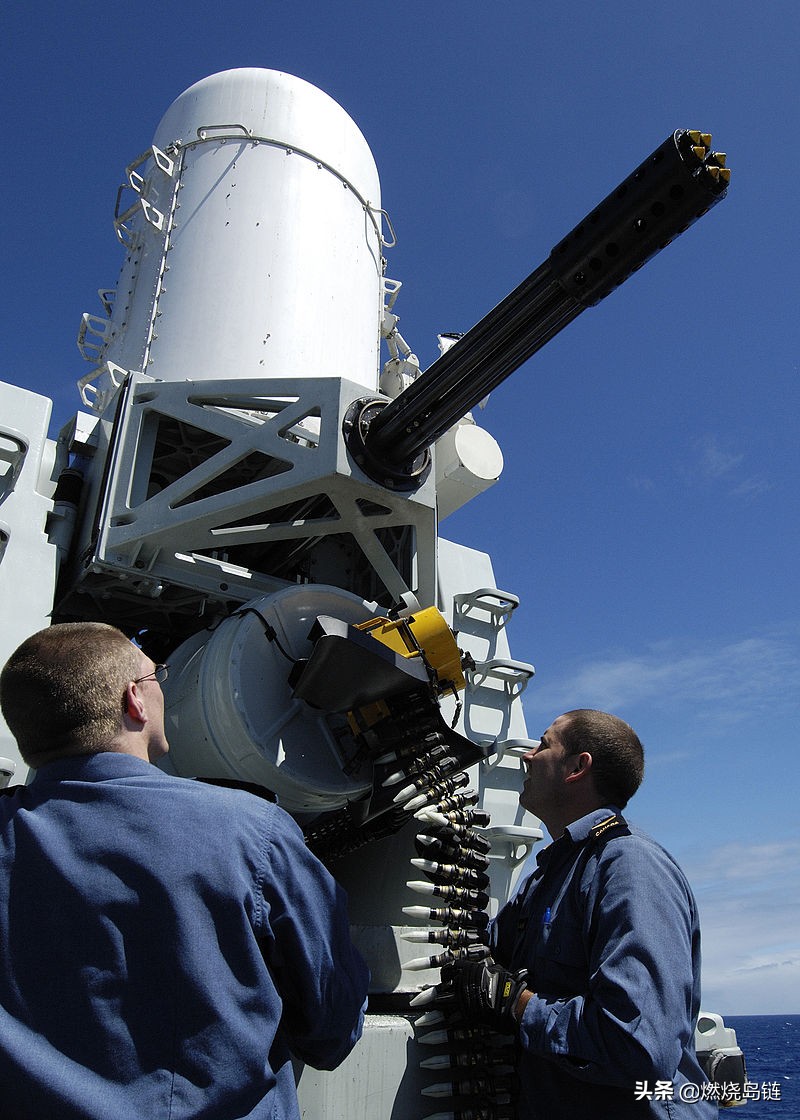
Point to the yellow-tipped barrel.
(678, 183)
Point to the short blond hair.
(62, 691)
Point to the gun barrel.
(678, 183)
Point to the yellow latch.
(425, 632)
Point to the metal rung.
(125, 235)
(161, 160)
(152, 214)
(223, 130)
(93, 335)
(499, 605)
(137, 183)
(513, 674)
(373, 210)
(516, 747)
(13, 449)
(514, 836)
(107, 298)
(88, 392)
(7, 770)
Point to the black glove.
(485, 992)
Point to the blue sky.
(647, 513)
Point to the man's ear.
(133, 707)
(579, 765)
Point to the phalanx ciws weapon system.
(247, 494)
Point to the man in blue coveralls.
(596, 957)
(165, 945)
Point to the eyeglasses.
(159, 674)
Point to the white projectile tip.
(416, 936)
(439, 1061)
(427, 995)
(417, 802)
(417, 911)
(433, 1038)
(442, 1089)
(432, 816)
(424, 864)
(418, 964)
(429, 1019)
(420, 887)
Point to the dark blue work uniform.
(164, 945)
(606, 925)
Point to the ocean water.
(771, 1045)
